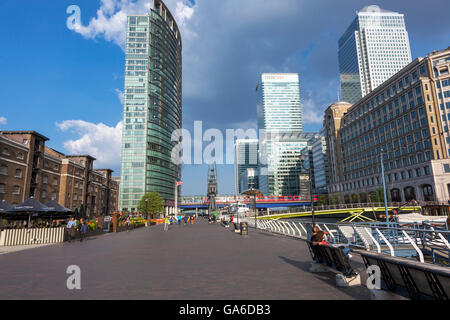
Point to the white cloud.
(120, 95)
(98, 140)
(3, 120)
(110, 22)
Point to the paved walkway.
(198, 262)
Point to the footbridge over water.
(201, 202)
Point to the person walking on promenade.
(83, 229)
(166, 224)
(71, 225)
(179, 220)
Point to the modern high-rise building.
(152, 106)
(373, 48)
(283, 166)
(279, 102)
(404, 124)
(280, 116)
(320, 163)
(246, 157)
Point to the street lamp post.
(312, 198)
(146, 208)
(303, 159)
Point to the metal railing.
(429, 242)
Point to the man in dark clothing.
(83, 229)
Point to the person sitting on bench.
(318, 238)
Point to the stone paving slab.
(193, 262)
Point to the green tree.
(151, 203)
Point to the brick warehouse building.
(29, 168)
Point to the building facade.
(320, 163)
(249, 179)
(28, 168)
(279, 106)
(246, 157)
(404, 122)
(284, 167)
(280, 126)
(373, 48)
(152, 106)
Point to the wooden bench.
(421, 280)
(329, 257)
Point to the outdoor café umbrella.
(31, 206)
(57, 209)
(5, 206)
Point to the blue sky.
(67, 85)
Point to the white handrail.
(329, 231)
(299, 232)
(391, 249)
(369, 232)
(278, 226)
(293, 231)
(282, 226)
(442, 238)
(306, 232)
(414, 245)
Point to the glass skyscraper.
(373, 48)
(279, 102)
(280, 116)
(152, 106)
(246, 157)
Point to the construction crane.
(212, 188)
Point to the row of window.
(6, 152)
(391, 177)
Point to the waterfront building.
(29, 168)
(246, 157)
(152, 106)
(373, 48)
(406, 121)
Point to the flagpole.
(176, 200)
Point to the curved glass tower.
(152, 106)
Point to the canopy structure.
(57, 210)
(5, 206)
(253, 192)
(29, 208)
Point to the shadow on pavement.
(356, 292)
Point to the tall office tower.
(279, 102)
(404, 124)
(246, 157)
(373, 48)
(152, 106)
(320, 163)
(280, 116)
